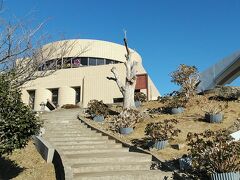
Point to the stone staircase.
(87, 155)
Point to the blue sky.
(165, 32)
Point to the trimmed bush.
(17, 121)
(214, 152)
(96, 107)
(126, 119)
(140, 96)
(163, 130)
(69, 106)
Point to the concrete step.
(61, 117)
(77, 138)
(54, 118)
(112, 157)
(69, 132)
(62, 121)
(74, 123)
(91, 155)
(85, 130)
(51, 125)
(102, 150)
(123, 175)
(73, 129)
(78, 134)
(99, 167)
(83, 142)
(88, 146)
(57, 124)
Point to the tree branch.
(117, 79)
(126, 45)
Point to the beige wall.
(87, 48)
(92, 79)
(94, 86)
(67, 95)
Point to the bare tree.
(128, 89)
(23, 55)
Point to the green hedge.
(17, 121)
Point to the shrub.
(162, 130)
(127, 118)
(214, 107)
(17, 121)
(235, 127)
(69, 106)
(96, 107)
(166, 98)
(229, 93)
(177, 101)
(155, 110)
(140, 96)
(226, 93)
(188, 78)
(174, 100)
(214, 152)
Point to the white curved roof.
(87, 48)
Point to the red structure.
(142, 83)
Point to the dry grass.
(192, 120)
(26, 164)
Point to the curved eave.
(87, 48)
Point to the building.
(83, 74)
(221, 73)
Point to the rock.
(178, 146)
(236, 135)
(185, 163)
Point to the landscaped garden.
(189, 130)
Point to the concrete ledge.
(51, 155)
(44, 148)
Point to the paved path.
(87, 155)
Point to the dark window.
(41, 67)
(100, 61)
(59, 64)
(49, 65)
(77, 94)
(117, 100)
(31, 98)
(55, 96)
(84, 61)
(108, 61)
(67, 63)
(92, 62)
(76, 62)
